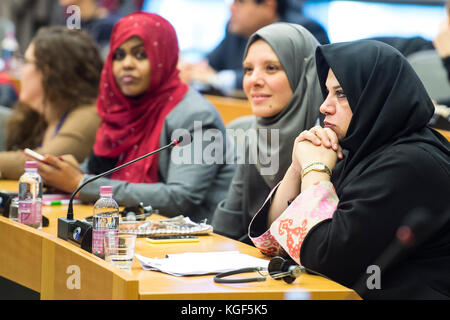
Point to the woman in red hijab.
(142, 101)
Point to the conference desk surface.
(40, 261)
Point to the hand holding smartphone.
(33, 154)
(39, 157)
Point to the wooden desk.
(38, 260)
(445, 133)
(230, 108)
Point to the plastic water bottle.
(30, 196)
(105, 220)
(10, 47)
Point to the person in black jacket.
(379, 208)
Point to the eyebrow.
(133, 47)
(137, 46)
(265, 62)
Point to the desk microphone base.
(76, 232)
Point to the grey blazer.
(193, 188)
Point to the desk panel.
(20, 254)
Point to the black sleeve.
(371, 208)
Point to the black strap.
(218, 278)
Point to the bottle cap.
(106, 190)
(31, 165)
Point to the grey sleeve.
(84, 165)
(185, 183)
(228, 218)
(184, 189)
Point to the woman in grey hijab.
(281, 84)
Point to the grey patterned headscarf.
(295, 48)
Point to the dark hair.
(25, 128)
(281, 6)
(71, 65)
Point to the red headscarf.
(131, 127)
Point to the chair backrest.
(430, 69)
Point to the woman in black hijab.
(380, 223)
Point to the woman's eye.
(247, 70)
(340, 94)
(141, 55)
(273, 67)
(119, 55)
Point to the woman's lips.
(127, 80)
(328, 125)
(258, 98)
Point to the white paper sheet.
(198, 263)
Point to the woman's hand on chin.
(322, 136)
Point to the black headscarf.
(389, 102)
(395, 165)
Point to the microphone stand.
(416, 228)
(80, 232)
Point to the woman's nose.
(256, 78)
(128, 62)
(327, 107)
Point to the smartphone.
(34, 155)
(172, 239)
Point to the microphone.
(415, 229)
(80, 232)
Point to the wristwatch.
(316, 166)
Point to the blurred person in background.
(442, 41)
(122, 7)
(56, 110)
(96, 20)
(27, 16)
(431, 61)
(222, 68)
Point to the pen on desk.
(58, 202)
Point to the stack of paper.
(199, 263)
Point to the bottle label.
(97, 242)
(30, 212)
(98, 238)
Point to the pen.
(57, 202)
